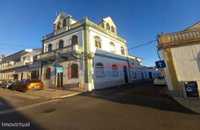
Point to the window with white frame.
(99, 70)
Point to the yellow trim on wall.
(173, 76)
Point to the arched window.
(122, 51)
(112, 47)
(115, 71)
(60, 44)
(74, 40)
(49, 47)
(107, 26)
(112, 29)
(58, 26)
(64, 22)
(99, 70)
(74, 70)
(97, 42)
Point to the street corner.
(191, 104)
(50, 94)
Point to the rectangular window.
(73, 71)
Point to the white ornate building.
(85, 54)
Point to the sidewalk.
(192, 104)
(48, 93)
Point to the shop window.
(99, 70)
(115, 71)
(61, 44)
(48, 73)
(97, 42)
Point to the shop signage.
(160, 64)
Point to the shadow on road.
(15, 120)
(142, 94)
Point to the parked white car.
(160, 81)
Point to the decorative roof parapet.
(178, 38)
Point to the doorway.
(59, 80)
(125, 74)
(150, 75)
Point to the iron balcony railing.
(12, 66)
(65, 50)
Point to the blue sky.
(24, 22)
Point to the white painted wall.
(187, 62)
(105, 42)
(108, 80)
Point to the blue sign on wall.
(59, 69)
(160, 64)
(191, 89)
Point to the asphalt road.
(141, 107)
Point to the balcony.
(65, 52)
(12, 66)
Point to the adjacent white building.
(181, 53)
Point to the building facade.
(79, 54)
(20, 65)
(181, 51)
(84, 54)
